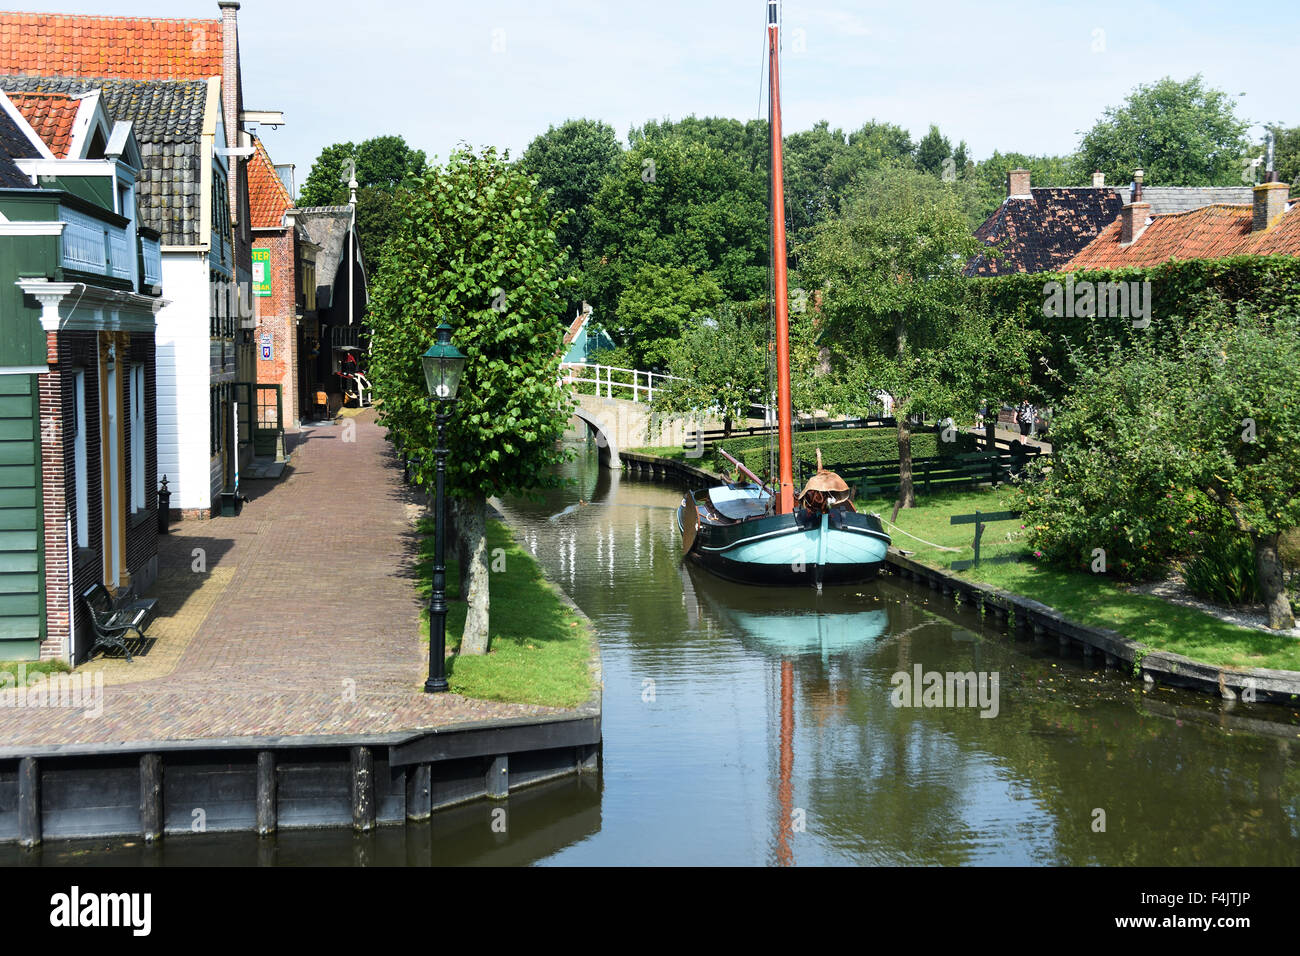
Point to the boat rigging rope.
(914, 537)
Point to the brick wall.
(56, 469)
(277, 314)
(67, 353)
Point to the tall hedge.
(1180, 291)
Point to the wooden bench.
(113, 624)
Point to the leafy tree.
(1179, 134)
(881, 144)
(720, 367)
(384, 166)
(675, 204)
(658, 306)
(1286, 157)
(571, 160)
(931, 152)
(890, 270)
(474, 242)
(1160, 447)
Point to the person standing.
(1025, 416)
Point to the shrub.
(1224, 571)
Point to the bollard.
(164, 506)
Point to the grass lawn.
(539, 649)
(33, 668)
(1086, 598)
(664, 451)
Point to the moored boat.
(756, 535)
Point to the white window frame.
(80, 468)
(136, 386)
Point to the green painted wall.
(96, 189)
(22, 340)
(22, 566)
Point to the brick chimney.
(1018, 183)
(230, 92)
(1270, 202)
(1133, 222)
(1098, 180)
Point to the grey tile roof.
(1166, 200)
(167, 118)
(327, 227)
(14, 144)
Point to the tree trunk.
(460, 545)
(1268, 570)
(726, 426)
(906, 493)
(474, 639)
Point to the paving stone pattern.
(305, 621)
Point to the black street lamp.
(443, 365)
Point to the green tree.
(890, 270)
(1286, 156)
(1179, 134)
(720, 367)
(475, 242)
(1158, 446)
(385, 165)
(657, 307)
(675, 204)
(571, 160)
(931, 152)
(990, 176)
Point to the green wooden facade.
(22, 559)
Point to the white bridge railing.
(613, 382)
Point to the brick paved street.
(304, 622)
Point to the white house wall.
(183, 340)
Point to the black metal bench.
(112, 623)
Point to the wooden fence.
(939, 473)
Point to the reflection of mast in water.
(785, 787)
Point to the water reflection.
(756, 726)
(750, 725)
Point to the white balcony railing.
(92, 245)
(152, 263)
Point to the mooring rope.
(914, 537)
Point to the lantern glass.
(443, 366)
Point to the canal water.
(764, 726)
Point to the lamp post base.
(436, 686)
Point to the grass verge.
(32, 668)
(539, 650)
(1088, 599)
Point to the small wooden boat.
(756, 535)
(734, 531)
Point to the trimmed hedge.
(851, 446)
(1179, 292)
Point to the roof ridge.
(48, 15)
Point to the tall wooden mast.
(785, 427)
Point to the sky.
(1028, 77)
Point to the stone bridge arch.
(606, 436)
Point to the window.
(214, 421)
(136, 385)
(79, 459)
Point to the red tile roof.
(267, 197)
(51, 115)
(1210, 232)
(133, 48)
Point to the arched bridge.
(618, 413)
